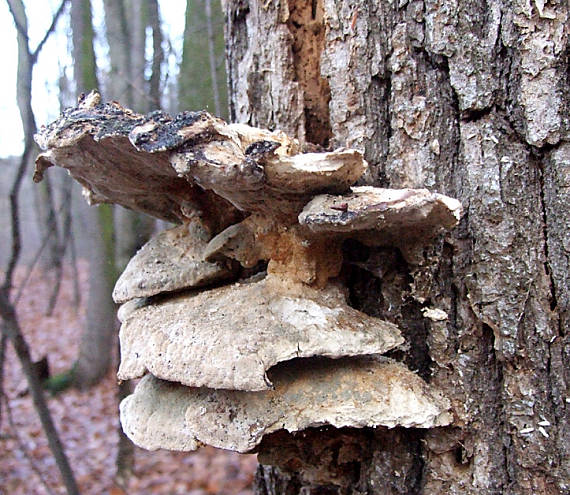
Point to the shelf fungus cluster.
(237, 318)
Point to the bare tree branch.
(63, 243)
(3, 345)
(50, 30)
(15, 219)
(24, 32)
(21, 29)
(31, 267)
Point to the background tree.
(10, 325)
(155, 80)
(43, 195)
(202, 74)
(98, 338)
(468, 98)
(125, 24)
(143, 92)
(115, 234)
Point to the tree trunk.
(85, 66)
(46, 221)
(125, 26)
(470, 99)
(200, 70)
(155, 80)
(98, 337)
(119, 84)
(212, 57)
(126, 23)
(10, 325)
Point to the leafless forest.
(48, 279)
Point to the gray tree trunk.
(10, 325)
(44, 204)
(125, 26)
(468, 98)
(155, 81)
(126, 22)
(97, 340)
(119, 84)
(201, 69)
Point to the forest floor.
(88, 420)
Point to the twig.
(31, 267)
(24, 32)
(36, 258)
(66, 235)
(76, 288)
(3, 345)
(15, 217)
(21, 30)
(22, 445)
(50, 30)
(65, 207)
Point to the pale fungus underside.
(231, 359)
(357, 392)
(171, 261)
(253, 325)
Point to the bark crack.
(545, 235)
(457, 121)
(553, 296)
(306, 24)
(236, 24)
(497, 388)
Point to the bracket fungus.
(229, 337)
(170, 261)
(233, 354)
(354, 392)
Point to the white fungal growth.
(233, 360)
(435, 314)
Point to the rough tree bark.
(469, 98)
